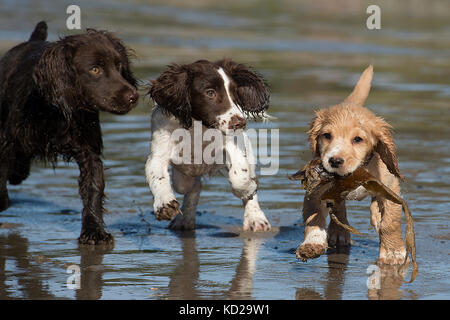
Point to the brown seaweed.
(345, 226)
(315, 179)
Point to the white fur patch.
(334, 151)
(330, 154)
(316, 235)
(235, 110)
(240, 172)
(157, 165)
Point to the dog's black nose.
(237, 122)
(132, 97)
(335, 162)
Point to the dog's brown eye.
(210, 93)
(327, 136)
(357, 139)
(95, 70)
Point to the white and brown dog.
(345, 137)
(221, 95)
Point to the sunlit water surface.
(311, 54)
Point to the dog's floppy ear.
(362, 88)
(125, 53)
(56, 78)
(171, 92)
(385, 147)
(315, 127)
(252, 91)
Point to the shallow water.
(311, 54)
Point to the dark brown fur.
(49, 107)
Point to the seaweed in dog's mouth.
(316, 180)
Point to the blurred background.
(311, 53)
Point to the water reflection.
(31, 271)
(387, 281)
(92, 269)
(184, 279)
(242, 283)
(337, 265)
(383, 282)
(29, 274)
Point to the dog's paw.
(168, 210)
(4, 202)
(181, 222)
(389, 257)
(256, 223)
(310, 251)
(95, 237)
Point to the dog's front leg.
(242, 177)
(157, 173)
(91, 187)
(315, 242)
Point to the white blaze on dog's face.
(233, 118)
(220, 94)
(212, 98)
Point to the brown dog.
(345, 137)
(51, 94)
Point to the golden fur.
(347, 136)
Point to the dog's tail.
(39, 32)
(362, 88)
